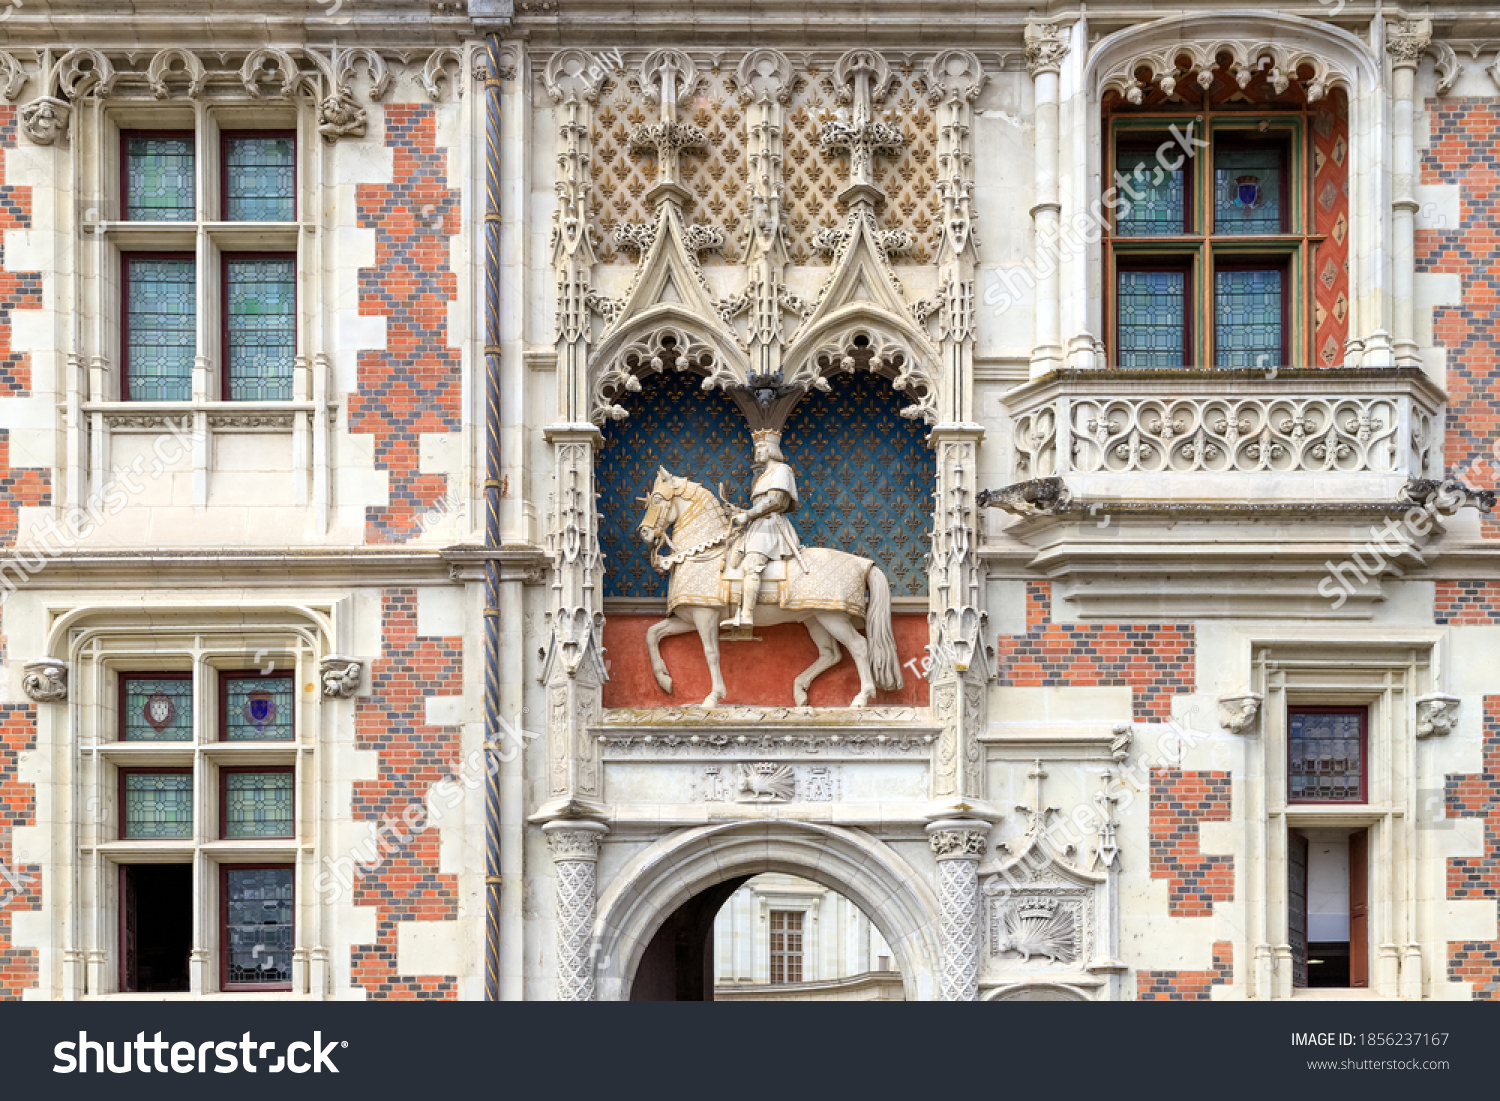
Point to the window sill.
(223, 416)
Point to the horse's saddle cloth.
(772, 584)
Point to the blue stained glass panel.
(1247, 318)
(162, 322)
(866, 477)
(259, 709)
(259, 179)
(262, 328)
(257, 804)
(1151, 198)
(158, 710)
(159, 179)
(158, 805)
(673, 423)
(1151, 325)
(1247, 191)
(259, 928)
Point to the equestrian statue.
(732, 568)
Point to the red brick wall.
(1155, 659)
(407, 885)
(1467, 603)
(1462, 151)
(415, 384)
(20, 885)
(1179, 801)
(1187, 986)
(19, 290)
(1477, 795)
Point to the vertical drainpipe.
(492, 519)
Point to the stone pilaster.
(575, 856)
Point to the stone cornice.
(216, 569)
(147, 25)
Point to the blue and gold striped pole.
(492, 519)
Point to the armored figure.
(768, 533)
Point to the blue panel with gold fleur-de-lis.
(673, 423)
(865, 477)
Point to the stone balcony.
(1228, 493)
(1292, 435)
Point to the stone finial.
(341, 676)
(1237, 713)
(45, 681)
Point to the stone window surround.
(1360, 667)
(122, 640)
(97, 410)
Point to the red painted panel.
(754, 672)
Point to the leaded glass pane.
(1151, 329)
(1324, 757)
(259, 932)
(158, 805)
(162, 322)
(259, 179)
(1247, 191)
(262, 328)
(158, 710)
(159, 179)
(259, 709)
(257, 804)
(1151, 198)
(1247, 318)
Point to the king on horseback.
(766, 532)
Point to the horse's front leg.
(672, 625)
(707, 621)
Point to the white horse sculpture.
(828, 591)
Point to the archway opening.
(768, 937)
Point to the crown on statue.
(760, 434)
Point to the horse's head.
(662, 507)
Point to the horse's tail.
(885, 666)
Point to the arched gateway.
(649, 889)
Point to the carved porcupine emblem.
(1040, 927)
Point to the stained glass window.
(158, 805)
(159, 178)
(259, 178)
(257, 804)
(1151, 198)
(1247, 191)
(865, 475)
(1151, 324)
(162, 326)
(157, 709)
(258, 933)
(258, 708)
(1247, 318)
(1325, 751)
(261, 297)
